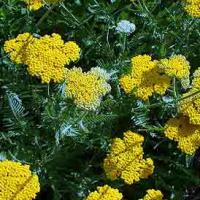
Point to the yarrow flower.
(187, 135)
(37, 4)
(105, 193)
(17, 181)
(190, 106)
(125, 26)
(196, 80)
(185, 83)
(176, 66)
(126, 160)
(153, 195)
(45, 57)
(86, 88)
(101, 73)
(145, 78)
(17, 47)
(193, 7)
(190, 103)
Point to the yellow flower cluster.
(145, 78)
(190, 106)
(17, 182)
(190, 103)
(105, 193)
(193, 7)
(186, 129)
(196, 80)
(153, 195)
(37, 4)
(45, 57)
(86, 88)
(176, 65)
(151, 76)
(17, 47)
(34, 4)
(187, 135)
(126, 160)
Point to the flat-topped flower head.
(126, 160)
(102, 73)
(187, 135)
(45, 57)
(190, 106)
(34, 4)
(144, 79)
(126, 27)
(196, 80)
(193, 8)
(17, 181)
(176, 65)
(86, 88)
(190, 103)
(105, 193)
(37, 4)
(153, 195)
(17, 47)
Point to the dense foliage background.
(66, 145)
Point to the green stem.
(156, 129)
(70, 13)
(124, 42)
(48, 89)
(189, 96)
(174, 87)
(45, 15)
(176, 101)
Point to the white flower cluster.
(125, 26)
(102, 73)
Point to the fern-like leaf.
(16, 105)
